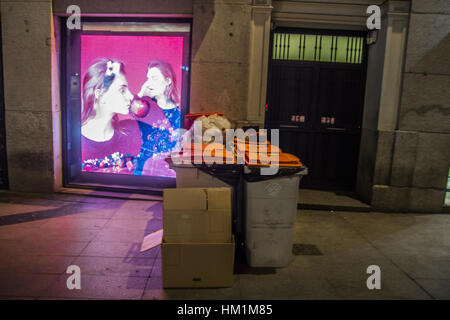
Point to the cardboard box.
(197, 215)
(195, 265)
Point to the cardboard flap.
(152, 240)
(185, 199)
(219, 198)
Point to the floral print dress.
(158, 138)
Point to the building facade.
(404, 154)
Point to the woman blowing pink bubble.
(107, 144)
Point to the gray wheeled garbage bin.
(271, 207)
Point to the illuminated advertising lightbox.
(130, 101)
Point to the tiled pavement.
(41, 235)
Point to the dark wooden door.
(317, 106)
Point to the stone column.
(397, 15)
(258, 61)
(26, 36)
(395, 24)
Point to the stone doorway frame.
(384, 67)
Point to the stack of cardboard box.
(198, 246)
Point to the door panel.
(292, 89)
(298, 142)
(334, 159)
(340, 97)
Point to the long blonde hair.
(95, 78)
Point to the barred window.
(317, 48)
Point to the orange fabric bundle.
(284, 160)
(240, 147)
(207, 152)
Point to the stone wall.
(220, 44)
(26, 44)
(421, 155)
(120, 7)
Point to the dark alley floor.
(41, 235)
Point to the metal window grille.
(317, 48)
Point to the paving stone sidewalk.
(41, 235)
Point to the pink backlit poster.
(130, 94)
